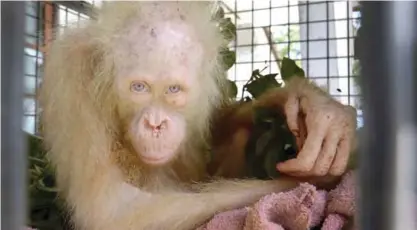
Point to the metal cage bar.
(13, 159)
(389, 59)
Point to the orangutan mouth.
(154, 160)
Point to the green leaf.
(37, 160)
(35, 173)
(228, 29)
(38, 169)
(289, 69)
(246, 99)
(256, 73)
(228, 57)
(35, 146)
(232, 89)
(272, 76)
(262, 84)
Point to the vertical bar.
(236, 41)
(49, 19)
(271, 44)
(348, 19)
(252, 35)
(403, 59)
(66, 16)
(13, 146)
(328, 45)
(307, 71)
(288, 28)
(388, 55)
(39, 6)
(375, 170)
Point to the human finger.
(328, 152)
(307, 156)
(292, 109)
(302, 131)
(342, 157)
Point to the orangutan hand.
(324, 128)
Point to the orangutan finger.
(326, 156)
(307, 156)
(292, 109)
(341, 159)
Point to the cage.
(328, 39)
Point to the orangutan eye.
(138, 87)
(174, 89)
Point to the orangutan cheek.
(156, 135)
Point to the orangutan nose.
(155, 124)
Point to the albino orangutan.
(128, 101)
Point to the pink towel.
(299, 209)
(341, 203)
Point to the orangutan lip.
(153, 159)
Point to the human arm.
(306, 108)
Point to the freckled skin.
(156, 145)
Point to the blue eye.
(174, 89)
(138, 87)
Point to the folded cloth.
(341, 203)
(301, 208)
(230, 220)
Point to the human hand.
(324, 129)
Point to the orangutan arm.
(128, 208)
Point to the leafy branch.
(228, 57)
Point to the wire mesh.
(43, 19)
(318, 35)
(33, 61)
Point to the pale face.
(157, 70)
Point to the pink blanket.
(301, 208)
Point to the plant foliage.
(228, 57)
(45, 211)
(228, 30)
